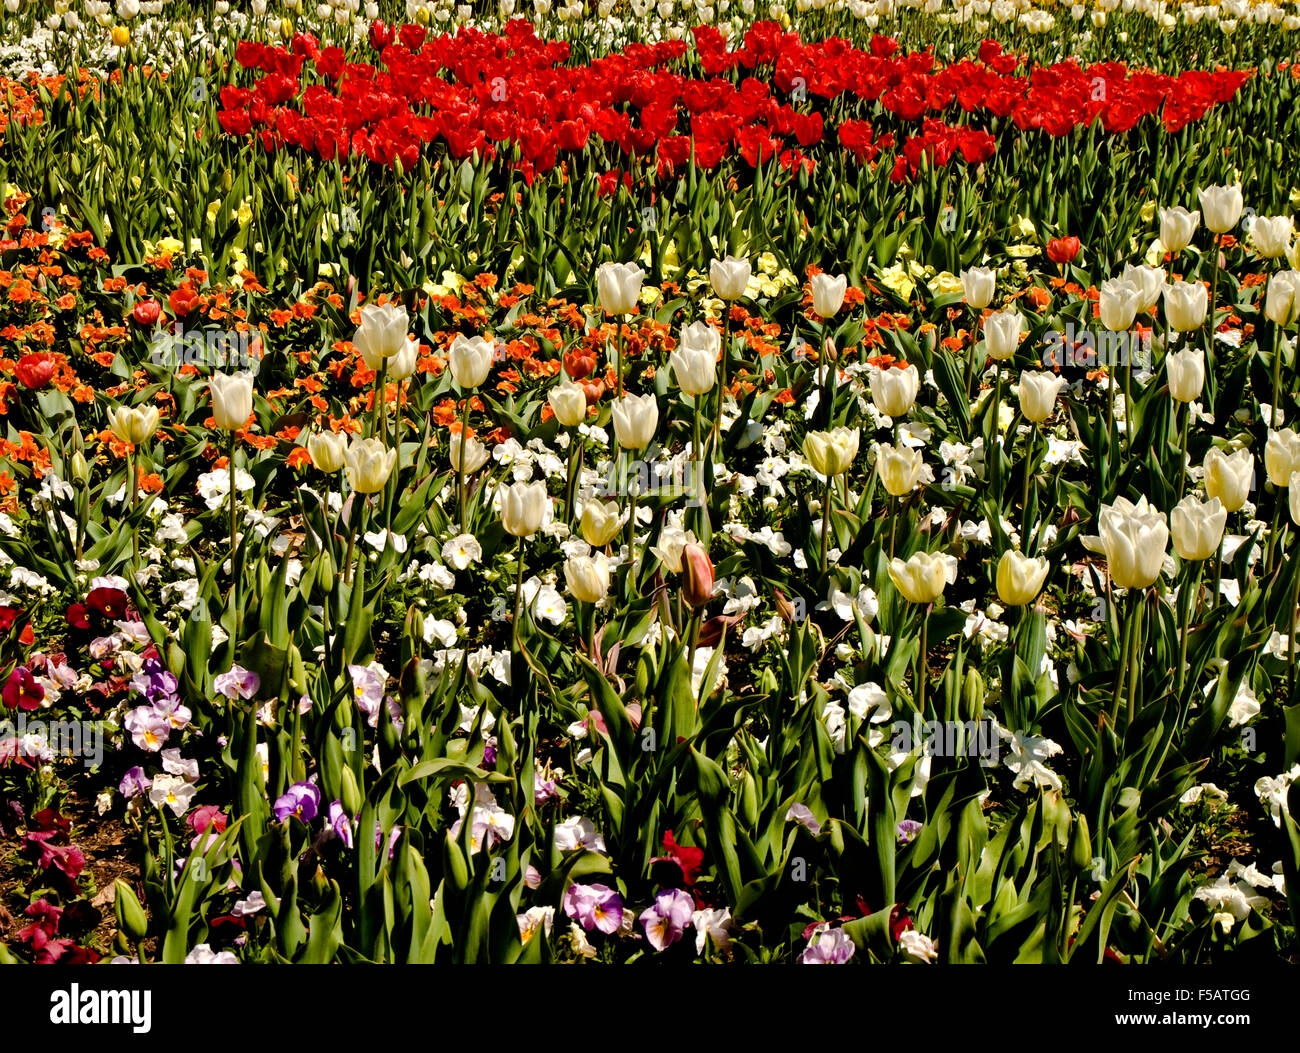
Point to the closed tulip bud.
(922, 578)
(523, 506)
(476, 455)
(729, 277)
(894, 390)
(382, 332)
(600, 522)
(1222, 207)
(369, 463)
(1293, 497)
(470, 360)
(1037, 394)
(232, 399)
(831, 452)
(1134, 538)
(978, 285)
(1177, 226)
(587, 577)
(1081, 844)
(1186, 372)
(1271, 235)
(568, 402)
(1151, 283)
(130, 915)
(328, 451)
(1119, 302)
(1002, 334)
(828, 294)
(899, 468)
(1282, 456)
(697, 575)
(402, 365)
(1020, 578)
(1282, 301)
(695, 359)
(350, 792)
(133, 424)
(635, 420)
(1185, 305)
(972, 694)
(618, 287)
(1228, 477)
(80, 469)
(1197, 527)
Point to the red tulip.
(1063, 250)
(380, 35)
(35, 370)
(183, 300)
(147, 312)
(580, 364)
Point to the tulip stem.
(461, 489)
(696, 452)
(1278, 339)
(234, 535)
(1218, 572)
(722, 386)
(694, 633)
(1182, 449)
(826, 522)
(519, 593)
(922, 663)
(379, 424)
(1185, 602)
(1125, 646)
(130, 506)
(618, 354)
(354, 528)
(893, 523)
(1214, 285)
(575, 470)
(1024, 494)
(1293, 611)
(631, 515)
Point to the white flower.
(918, 946)
(1027, 753)
(462, 550)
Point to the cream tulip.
(1002, 334)
(402, 365)
(1271, 235)
(134, 424)
(899, 468)
(695, 359)
(1293, 498)
(1037, 394)
(1222, 207)
(893, 391)
(600, 522)
(828, 294)
(328, 451)
(1020, 578)
(729, 277)
(1282, 456)
(618, 287)
(1228, 476)
(635, 420)
(1119, 302)
(1282, 301)
(831, 452)
(1186, 373)
(587, 577)
(922, 578)
(1134, 538)
(523, 507)
(1186, 304)
(1177, 226)
(382, 332)
(232, 399)
(568, 402)
(1151, 283)
(369, 463)
(476, 454)
(1197, 527)
(978, 286)
(470, 360)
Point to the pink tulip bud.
(697, 576)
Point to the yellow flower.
(1148, 212)
(896, 279)
(767, 263)
(945, 283)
